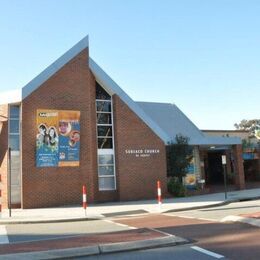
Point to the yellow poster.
(58, 138)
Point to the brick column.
(239, 167)
(202, 166)
(227, 153)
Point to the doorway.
(215, 171)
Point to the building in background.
(73, 125)
(251, 152)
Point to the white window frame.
(100, 112)
(107, 151)
(9, 124)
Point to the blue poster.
(69, 144)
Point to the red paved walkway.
(81, 241)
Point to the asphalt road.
(202, 227)
(30, 232)
(219, 213)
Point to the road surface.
(201, 227)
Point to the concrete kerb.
(60, 220)
(109, 248)
(99, 249)
(223, 203)
(249, 198)
(44, 221)
(200, 207)
(55, 254)
(142, 244)
(57, 220)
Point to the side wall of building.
(140, 155)
(71, 88)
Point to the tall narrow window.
(105, 140)
(14, 127)
(15, 160)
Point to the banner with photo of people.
(58, 138)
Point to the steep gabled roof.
(112, 88)
(54, 67)
(166, 120)
(101, 77)
(173, 121)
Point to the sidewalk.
(100, 211)
(97, 244)
(86, 245)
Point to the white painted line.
(174, 215)
(207, 252)
(184, 216)
(122, 225)
(119, 224)
(208, 219)
(162, 232)
(109, 221)
(132, 227)
(3, 235)
(231, 218)
(190, 217)
(131, 216)
(250, 221)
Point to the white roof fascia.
(215, 140)
(54, 67)
(11, 97)
(112, 88)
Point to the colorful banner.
(190, 178)
(58, 138)
(69, 138)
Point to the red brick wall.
(3, 153)
(239, 167)
(137, 176)
(71, 88)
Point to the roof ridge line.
(105, 80)
(54, 67)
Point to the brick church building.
(73, 125)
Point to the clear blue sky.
(202, 55)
